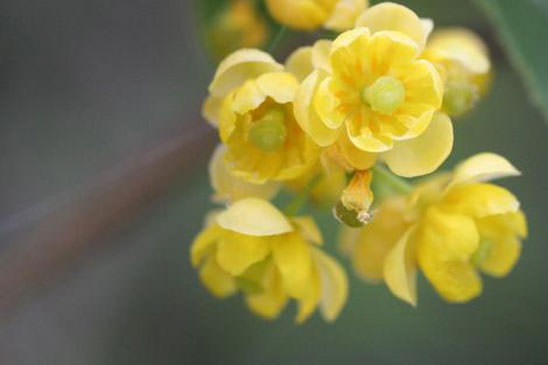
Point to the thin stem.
(396, 183)
(300, 200)
(277, 38)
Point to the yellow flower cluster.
(322, 125)
(450, 227)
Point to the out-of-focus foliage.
(522, 28)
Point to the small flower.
(251, 102)
(337, 15)
(238, 26)
(253, 248)
(450, 227)
(463, 61)
(377, 100)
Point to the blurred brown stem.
(66, 234)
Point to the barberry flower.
(251, 102)
(450, 227)
(463, 62)
(252, 248)
(337, 15)
(377, 100)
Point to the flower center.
(385, 95)
(269, 132)
(459, 97)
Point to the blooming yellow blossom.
(251, 103)
(463, 61)
(337, 15)
(376, 99)
(450, 227)
(253, 248)
(238, 26)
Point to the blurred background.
(90, 90)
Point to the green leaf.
(522, 28)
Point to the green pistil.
(269, 132)
(385, 95)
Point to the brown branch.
(69, 232)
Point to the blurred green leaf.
(522, 28)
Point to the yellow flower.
(463, 61)
(450, 227)
(237, 26)
(377, 100)
(253, 248)
(337, 15)
(251, 102)
(229, 188)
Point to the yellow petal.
(345, 40)
(480, 200)
(293, 259)
(447, 235)
(366, 142)
(392, 48)
(310, 298)
(355, 157)
(270, 302)
(204, 243)
(308, 229)
(306, 116)
(400, 269)
(240, 66)
(326, 105)
(248, 97)
(280, 86)
(445, 245)
(394, 17)
(502, 257)
(227, 118)
(217, 281)
(236, 252)
(496, 227)
(344, 14)
(320, 54)
(463, 46)
(455, 281)
(229, 188)
(483, 167)
(210, 110)
(299, 63)
(254, 217)
(334, 285)
(425, 153)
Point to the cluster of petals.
(252, 248)
(451, 227)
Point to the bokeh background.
(85, 85)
